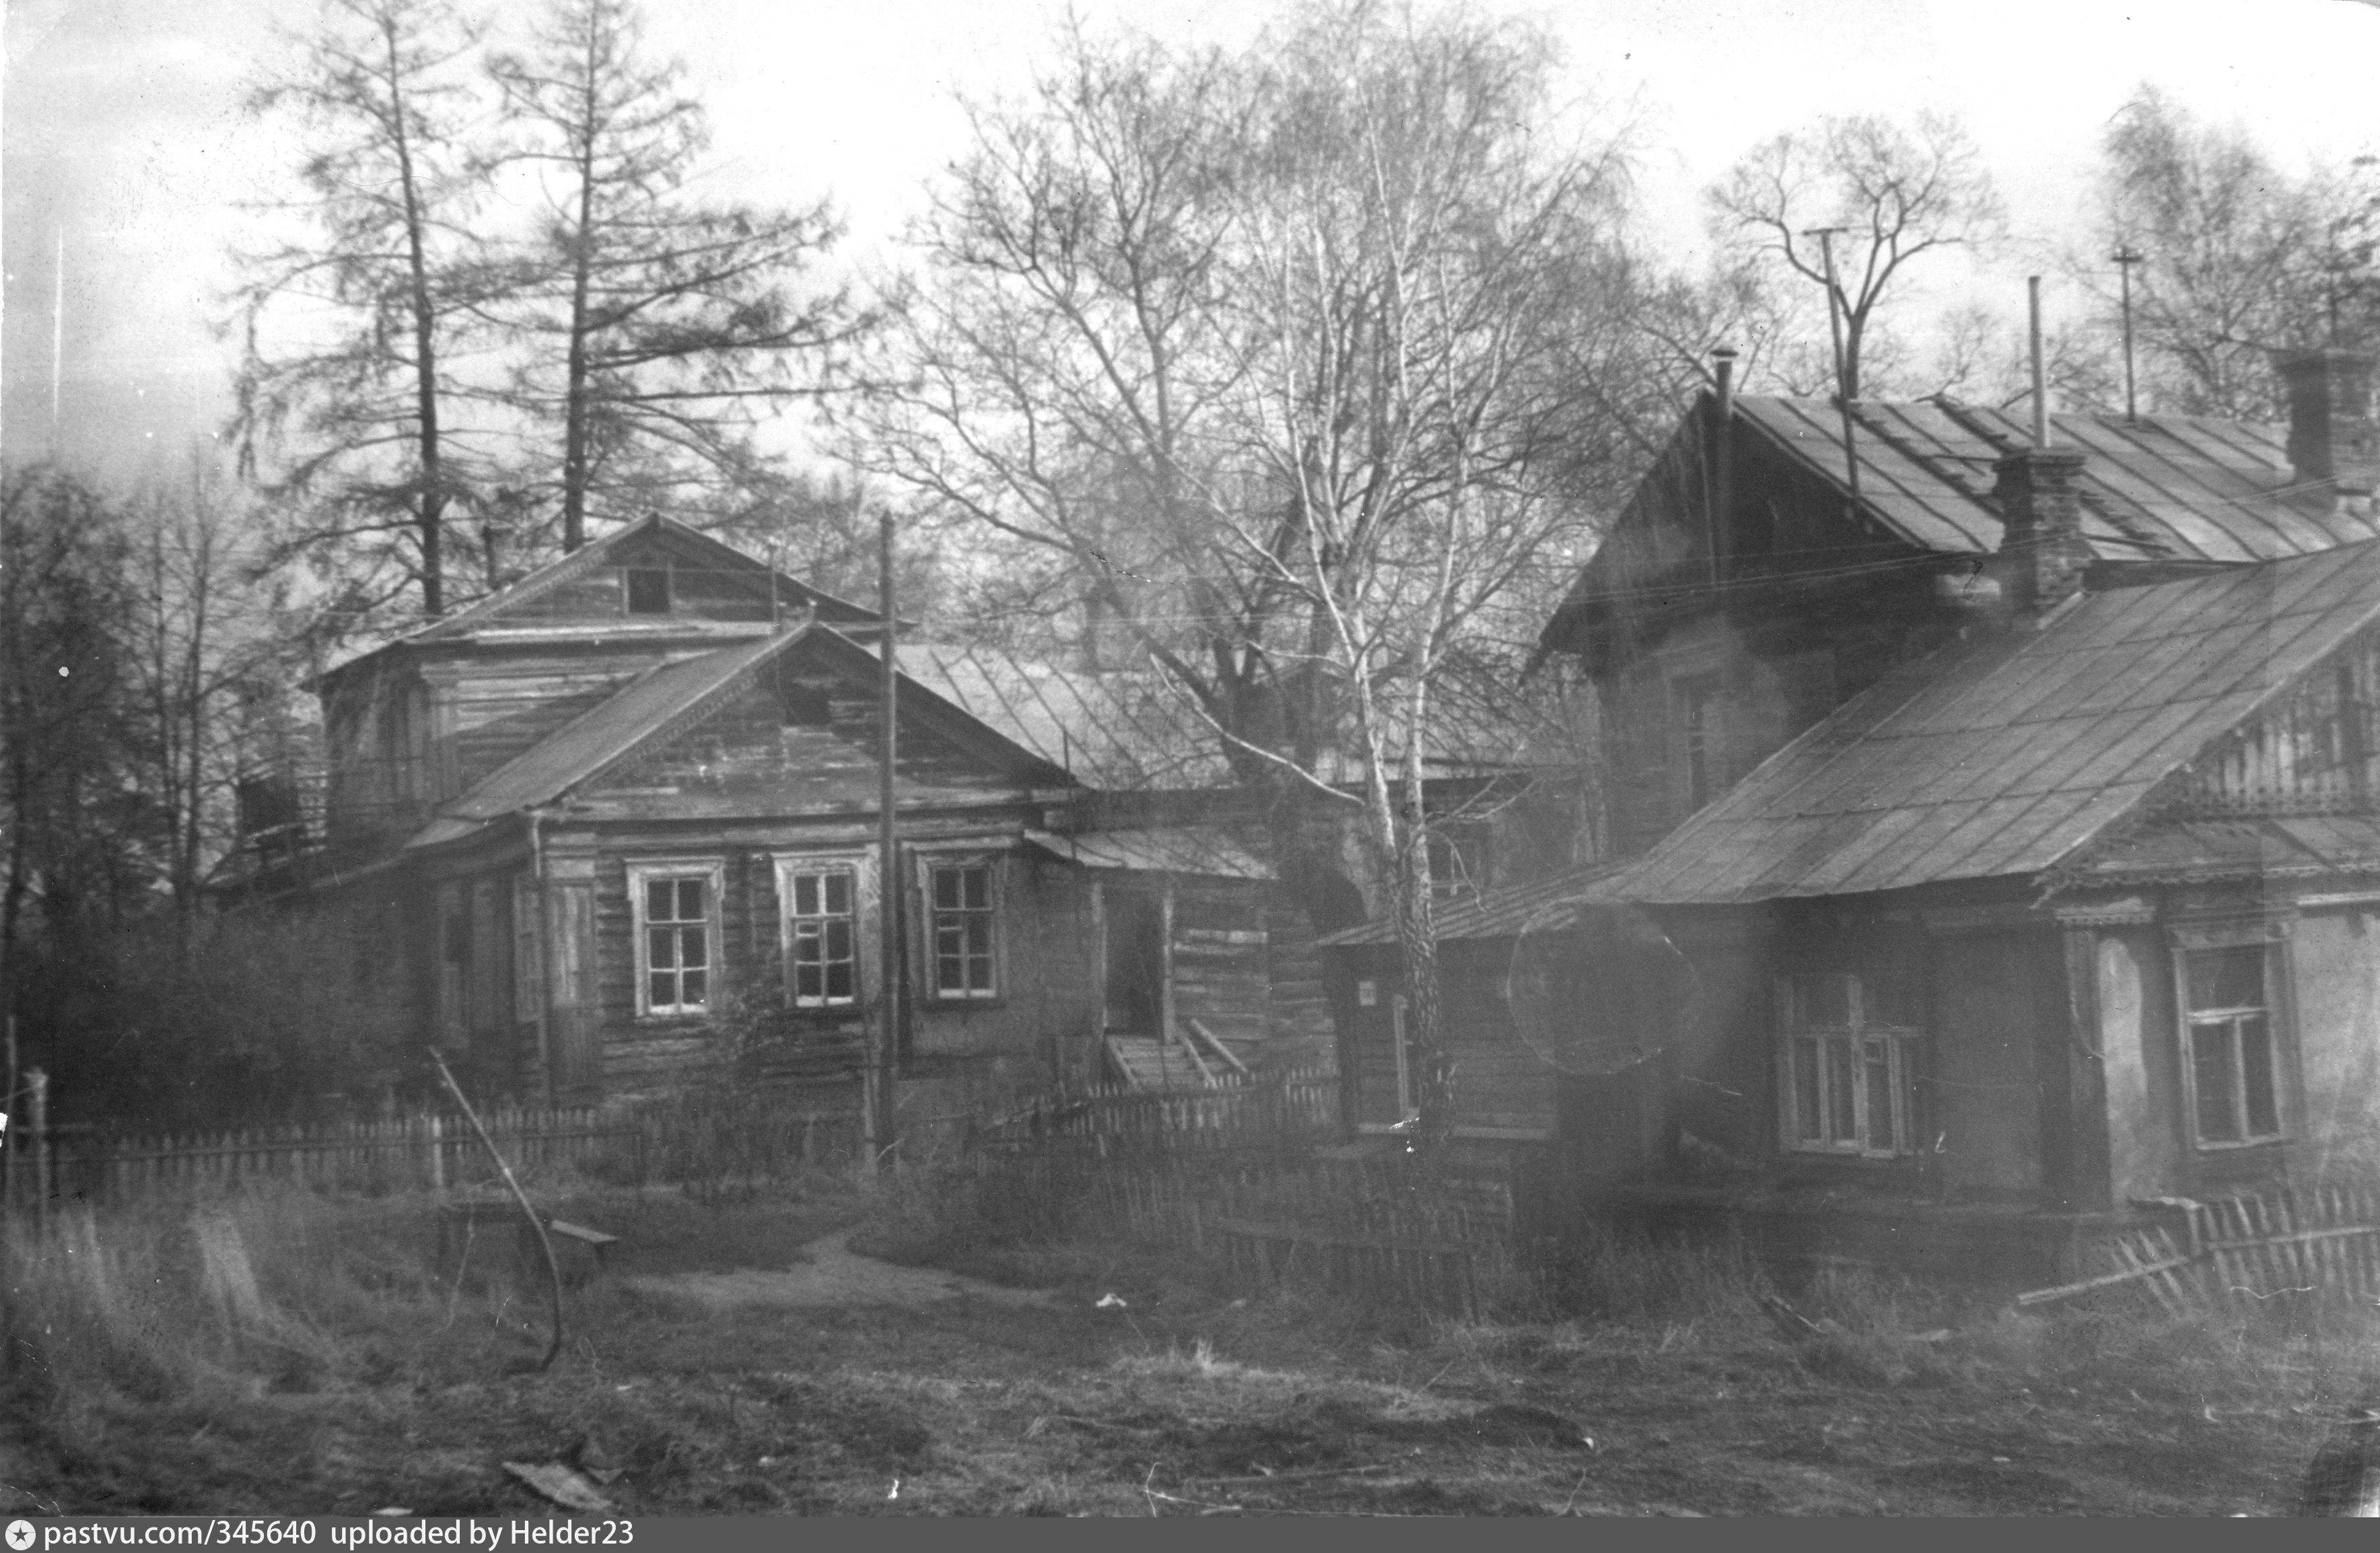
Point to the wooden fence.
(1236, 1113)
(431, 1149)
(1364, 1230)
(2316, 1246)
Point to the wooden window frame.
(2272, 937)
(929, 918)
(712, 872)
(1700, 741)
(1854, 1045)
(865, 919)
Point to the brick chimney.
(2333, 439)
(2039, 494)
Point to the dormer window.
(648, 590)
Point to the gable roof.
(2177, 489)
(2005, 755)
(1024, 707)
(598, 554)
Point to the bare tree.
(1893, 193)
(345, 384)
(2240, 256)
(1282, 359)
(658, 327)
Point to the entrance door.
(1135, 963)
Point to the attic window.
(648, 590)
(805, 706)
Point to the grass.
(287, 1354)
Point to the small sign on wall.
(1367, 994)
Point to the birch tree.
(1283, 358)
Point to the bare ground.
(827, 1382)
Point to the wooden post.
(437, 1152)
(877, 1095)
(37, 1127)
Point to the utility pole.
(2124, 258)
(882, 1050)
(1825, 235)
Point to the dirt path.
(830, 1273)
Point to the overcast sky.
(123, 140)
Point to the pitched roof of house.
(1179, 849)
(1079, 725)
(2180, 490)
(600, 552)
(1112, 730)
(2006, 755)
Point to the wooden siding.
(792, 745)
(2314, 752)
(700, 587)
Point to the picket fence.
(2317, 1245)
(429, 1149)
(1235, 1113)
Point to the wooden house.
(1999, 820)
(621, 820)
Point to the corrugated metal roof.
(1182, 849)
(2175, 488)
(1543, 906)
(1113, 731)
(2003, 755)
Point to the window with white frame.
(1848, 1060)
(677, 936)
(821, 934)
(962, 939)
(2231, 1056)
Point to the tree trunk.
(431, 499)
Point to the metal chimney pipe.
(2040, 376)
(1719, 497)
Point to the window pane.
(2211, 1067)
(2256, 1075)
(806, 895)
(807, 981)
(691, 943)
(692, 996)
(978, 887)
(1808, 1124)
(806, 944)
(838, 893)
(946, 889)
(657, 899)
(661, 989)
(1879, 1060)
(838, 981)
(1843, 1116)
(690, 900)
(661, 950)
(838, 938)
(2227, 978)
